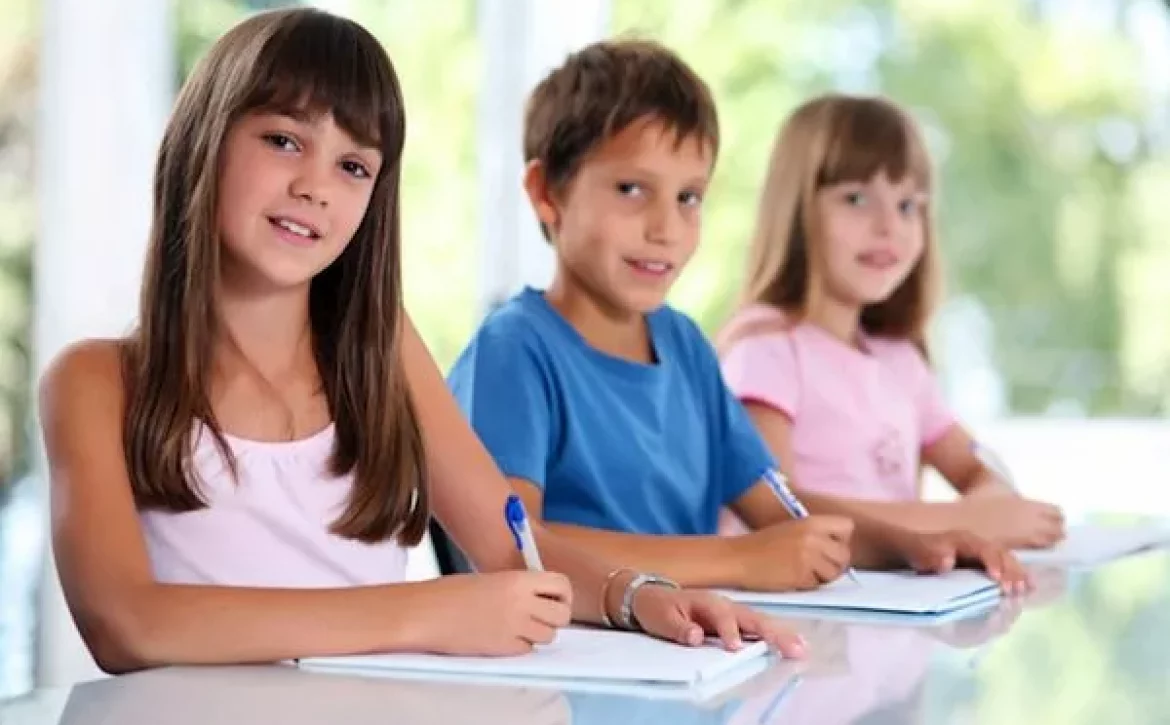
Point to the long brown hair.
(830, 140)
(307, 60)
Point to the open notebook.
(885, 592)
(1089, 544)
(600, 659)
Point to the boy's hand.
(689, 616)
(794, 555)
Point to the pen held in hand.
(779, 485)
(522, 533)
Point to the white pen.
(995, 464)
(779, 485)
(522, 533)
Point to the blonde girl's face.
(872, 234)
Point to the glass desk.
(1087, 647)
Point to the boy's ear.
(540, 195)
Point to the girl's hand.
(1014, 522)
(504, 613)
(688, 616)
(938, 553)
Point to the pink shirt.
(271, 529)
(859, 418)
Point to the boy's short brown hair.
(600, 90)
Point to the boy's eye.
(356, 169)
(855, 198)
(281, 141)
(630, 188)
(690, 198)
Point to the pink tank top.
(269, 529)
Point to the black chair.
(450, 557)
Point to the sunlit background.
(1049, 122)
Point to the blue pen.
(517, 520)
(793, 506)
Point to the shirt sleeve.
(501, 382)
(934, 415)
(762, 369)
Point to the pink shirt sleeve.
(934, 416)
(762, 369)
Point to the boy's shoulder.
(518, 328)
(685, 330)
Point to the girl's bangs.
(325, 64)
(869, 136)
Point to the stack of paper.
(885, 593)
(1089, 544)
(601, 660)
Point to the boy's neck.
(842, 321)
(621, 333)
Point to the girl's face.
(293, 190)
(871, 236)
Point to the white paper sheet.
(595, 655)
(887, 592)
(1089, 544)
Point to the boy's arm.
(695, 561)
(794, 555)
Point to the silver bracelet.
(626, 618)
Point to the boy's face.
(628, 222)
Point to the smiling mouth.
(878, 260)
(651, 267)
(292, 227)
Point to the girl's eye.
(855, 198)
(908, 206)
(281, 141)
(356, 169)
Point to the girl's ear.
(540, 195)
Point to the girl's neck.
(840, 320)
(271, 332)
(616, 332)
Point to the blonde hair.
(830, 140)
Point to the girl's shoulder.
(89, 372)
(754, 321)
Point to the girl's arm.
(953, 458)
(129, 621)
(886, 534)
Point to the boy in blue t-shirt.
(606, 407)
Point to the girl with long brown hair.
(237, 480)
(828, 351)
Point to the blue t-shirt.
(613, 444)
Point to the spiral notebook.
(904, 593)
(595, 656)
